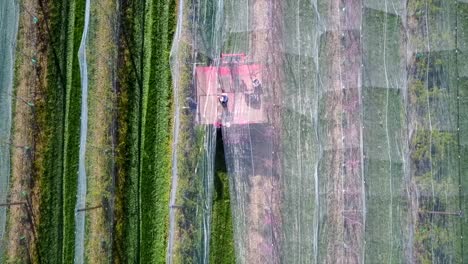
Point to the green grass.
(190, 139)
(222, 238)
(383, 137)
(126, 249)
(49, 169)
(72, 127)
(156, 133)
(60, 115)
(144, 181)
(131, 227)
(384, 175)
(126, 227)
(299, 157)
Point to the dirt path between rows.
(345, 198)
(263, 214)
(334, 157)
(101, 51)
(30, 78)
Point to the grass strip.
(50, 160)
(72, 126)
(383, 127)
(59, 116)
(127, 228)
(222, 238)
(144, 173)
(156, 127)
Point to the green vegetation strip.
(144, 156)
(384, 176)
(72, 127)
(222, 240)
(59, 117)
(156, 133)
(383, 130)
(433, 110)
(299, 153)
(127, 227)
(299, 147)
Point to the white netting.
(94, 210)
(9, 11)
(341, 132)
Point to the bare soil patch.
(31, 69)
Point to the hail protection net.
(8, 29)
(94, 210)
(344, 126)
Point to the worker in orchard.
(223, 99)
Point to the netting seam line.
(6, 195)
(460, 190)
(82, 184)
(361, 135)
(408, 176)
(386, 130)
(314, 118)
(341, 90)
(299, 160)
(430, 124)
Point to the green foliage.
(222, 240)
(430, 148)
(156, 137)
(60, 117)
(48, 170)
(193, 168)
(383, 121)
(419, 7)
(144, 179)
(432, 93)
(125, 195)
(72, 127)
